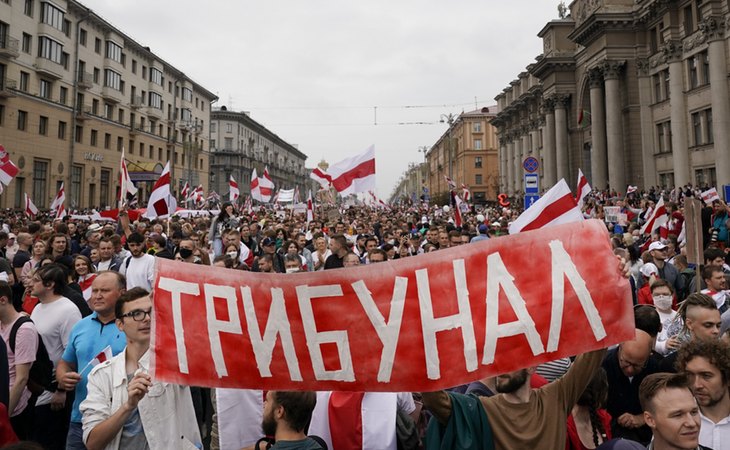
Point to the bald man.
(626, 366)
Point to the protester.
(139, 267)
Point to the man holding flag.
(94, 339)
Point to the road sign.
(532, 185)
(530, 200)
(530, 164)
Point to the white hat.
(656, 245)
(649, 269)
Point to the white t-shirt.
(54, 322)
(103, 265)
(140, 272)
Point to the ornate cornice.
(561, 100)
(642, 67)
(672, 51)
(595, 78)
(713, 28)
(611, 69)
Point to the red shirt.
(572, 441)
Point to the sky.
(336, 76)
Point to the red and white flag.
(583, 189)
(456, 200)
(8, 170)
(161, 203)
(310, 208)
(185, 192)
(196, 196)
(465, 192)
(57, 205)
(556, 207)
(364, 420)
(451, 183)
(30, 209)
(710, 196)
(657, 219)
(105, 355)
(261, 188)
(126, 186)
(321, 177)
(631, 189)
(355, 174)
(233, 192)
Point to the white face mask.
(233, 255)
(292, 270)
(663, 302)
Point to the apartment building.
(75, 91)
(630, 91)
(239, 144)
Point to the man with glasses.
(124, 408)
(626, 367)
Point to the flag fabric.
(556, 207)
(8, 170)
(213, 196)
(57, 205)
(451, 183)
(261, 190)
(710, 196)
(321, 177)
(631, 189)
(30, 209)
(105, 355)
(584, 118)
(657, 218)
(456, 200)
(247, 204)
(583, 188)
(267, 184)
(310, 208)
(161, 203)
(233, 192)
(196, 195)
(126, 186)
(297, 197)
(185, 192)
(355, 174)
(465, 192)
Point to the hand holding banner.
(417, 324)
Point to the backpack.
(40, 377)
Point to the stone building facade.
(630, 91)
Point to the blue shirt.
(88, 338)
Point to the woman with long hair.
(37, 252)
(589, 425)
(84, 274)
(223, 222)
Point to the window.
(477, 144)
(107, 141)
(51, 15)
(97, 74)
(120, 143)
(104, 180)
(97, 45)
(155, 76)
(228, 143)
(43, 126)
(61, 130)
(187, 95)
(94, 135)
(19, 192)
(40, 188)
(64, 60)
(112, 79)
(692, 69)
(212, 143)
(477, 162)
(150, 150)
(49, 49)
(79, 134)
(24, 80)
(155, 100)
(45, 89)
(666, 180)
(705, 68)
(144, 72)
(688, 21)
(134, 66)
(66, 28)
(708, 122)
(697, 129)
(665, 84)
(120, 116)
(95, 107)
(478, 178)
(108, 110)
(82, 37)
(229, 128)
(477, 127)
(76, 177)
(27, 43)
(212, 127)
(22, 120)
(186, 115)
(113, 51)
(663, 136)
(28, 8)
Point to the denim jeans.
(75, 437)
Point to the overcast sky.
(312, 71)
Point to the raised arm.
(439, 403)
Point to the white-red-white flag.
(104, 355)
(451, 183)
(30, 209)
(126, 186)
(556, 207)
(457, 209)
(465, 192)
(355, 174)
(631, 189)
(8, 170)
(267, 184)
(583, 188)
(657, 218)
(710, 196)
(57, 205)
(310, 208)
(196, 195)
(185, 192)
(161, 203)
(261, 188)
(320, 176)
(233, 192)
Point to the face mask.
(233, 255)
(185, 253)
(663, 302)
(292, 270)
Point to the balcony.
(48, 68)
(154, 113)
(9, 48)
(83, 113)
(137, 102)
(85, 81)
(7, 88)
(111, 95)
(134, 129)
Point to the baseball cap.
(483, 228)
(656, 245)
(649, 269)
(268, 241)
(415, 236)
(93, 227)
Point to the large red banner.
(415, 324)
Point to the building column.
(647, 124)
(510, 165)
(714, 29)
(548, 157)
(678, 113)
(517, 183)
(502, 165)
(614, 126)
(599, 170)
(561, 136)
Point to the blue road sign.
(532, 185)
(530, 200)
(530, 164)
(726, 191)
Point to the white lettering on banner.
(276, 325)
(432, 325)
(563, 266)
(498, 277)
(216, 326)
(389, 331)
(176, 288)
(315, 339)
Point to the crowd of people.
(76, 311)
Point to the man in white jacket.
(124, 407)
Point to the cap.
(11, 236)
(656, 245)
(93, 227)
(415, 236)
(424, 219)
(649, 269)
(268, 241)
(483, 228)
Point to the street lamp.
(449, 118)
